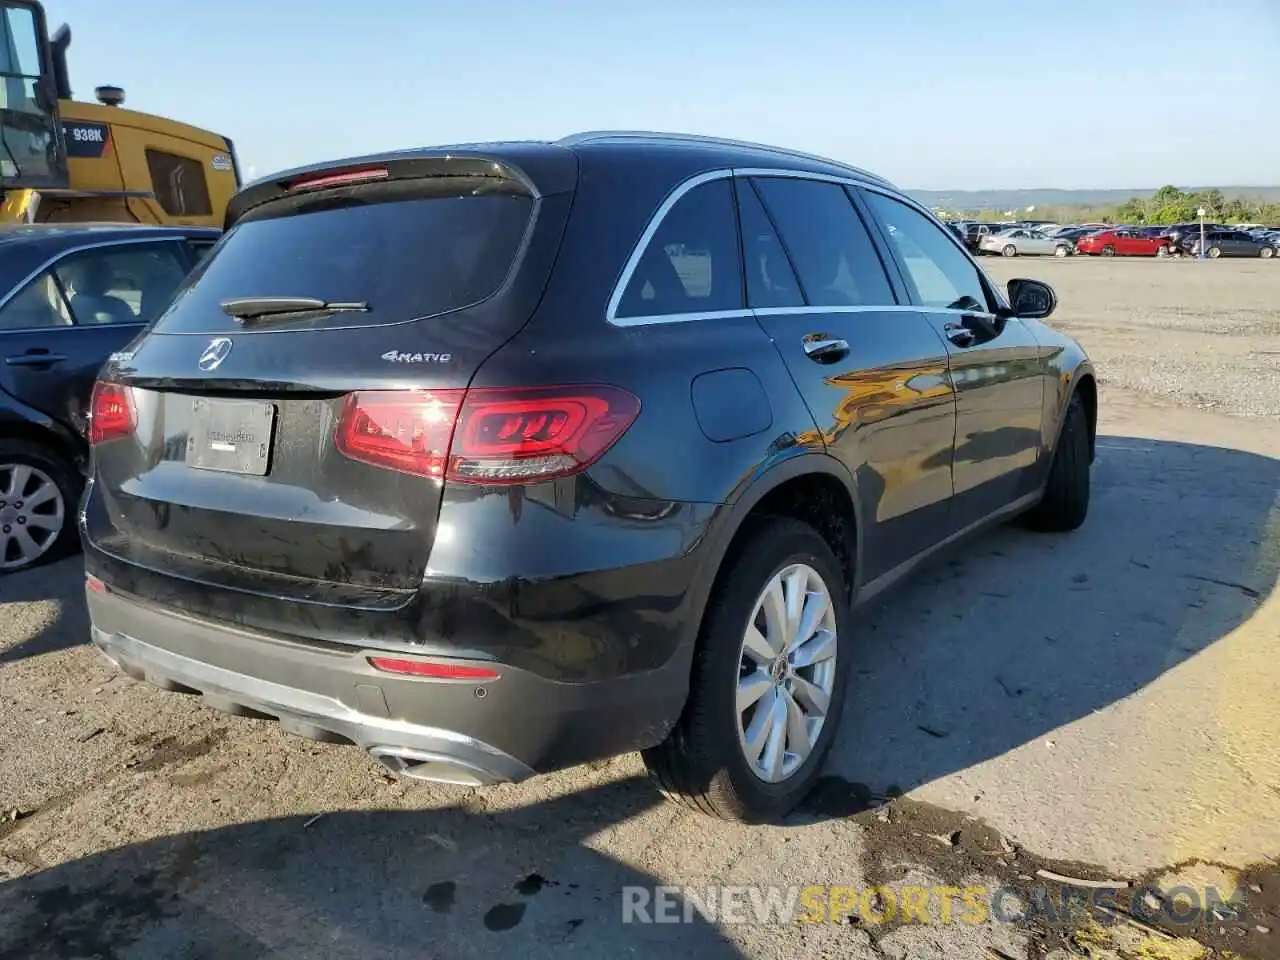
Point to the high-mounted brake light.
(486, 434)
(432, 670)
(111, 414)
(323, 181)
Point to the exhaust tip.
(429, 767)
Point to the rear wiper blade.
(261, 308)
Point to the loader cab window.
(179, 184)
(28, 146)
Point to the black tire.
(69, 483)
(1215, 253)
(1065, 503)
(701, 763)
(1010, 250)
(1108, 251)
(1266, 253)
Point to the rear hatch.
(283, 428)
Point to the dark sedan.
(70, 296)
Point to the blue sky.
(945, 94)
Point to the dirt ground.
(1101, 706)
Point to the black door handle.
(824, 348)
(961, 336)
(34, 359)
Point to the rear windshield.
(406, 254)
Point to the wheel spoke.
(751, 688)
(758, 731)
(43, 494)
(775, 748)
(810, 696)
(756, 645)
(18, 477)
(815, 608)
(798, 742)
(821, 646)
(775, 615)
(796, 582)
(45, 521)
(28, 547)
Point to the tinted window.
(179, 184)
(830, 247)
(405, 258)
(39, 304)
(129, 284)
(691, 264)
(771, 281)
(938, 269)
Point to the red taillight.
(345, 178)
(93, 584)
(485, 435)
(110, 412)
(433, 670)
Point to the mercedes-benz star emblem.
(215, 353)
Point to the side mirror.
(1032, 299)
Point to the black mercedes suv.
(496, 458)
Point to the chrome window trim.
(633, 261)
(53, 261)
(685, 186)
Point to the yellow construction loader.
(66, 160)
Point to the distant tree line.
(1168, 205)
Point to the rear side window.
(831, 249)
(691, 263)
(179, 184)
(443, 248)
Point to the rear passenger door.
(872, 371)
(995, 364)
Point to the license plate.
(233, 436)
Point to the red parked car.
(1124, 243)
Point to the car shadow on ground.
(415, 884)
(63, 584)
(1015, 634)
(1007, 637)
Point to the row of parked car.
(1109, 240)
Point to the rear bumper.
(453, 731)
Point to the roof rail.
(595, 135)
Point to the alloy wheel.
(32, 513)
(786, 672)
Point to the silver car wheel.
(31, 514)
(786, 672)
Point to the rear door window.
(410, 249)
(828, 243)
(126, 284)
(691, 263)
(942, 275)
(771, 280)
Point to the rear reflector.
(323, 181)
(94, 584)
(433, 671)
(485, 435)
(111, 413)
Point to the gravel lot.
(1102, 705)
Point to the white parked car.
(1020, 241)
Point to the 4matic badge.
(399, 356)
